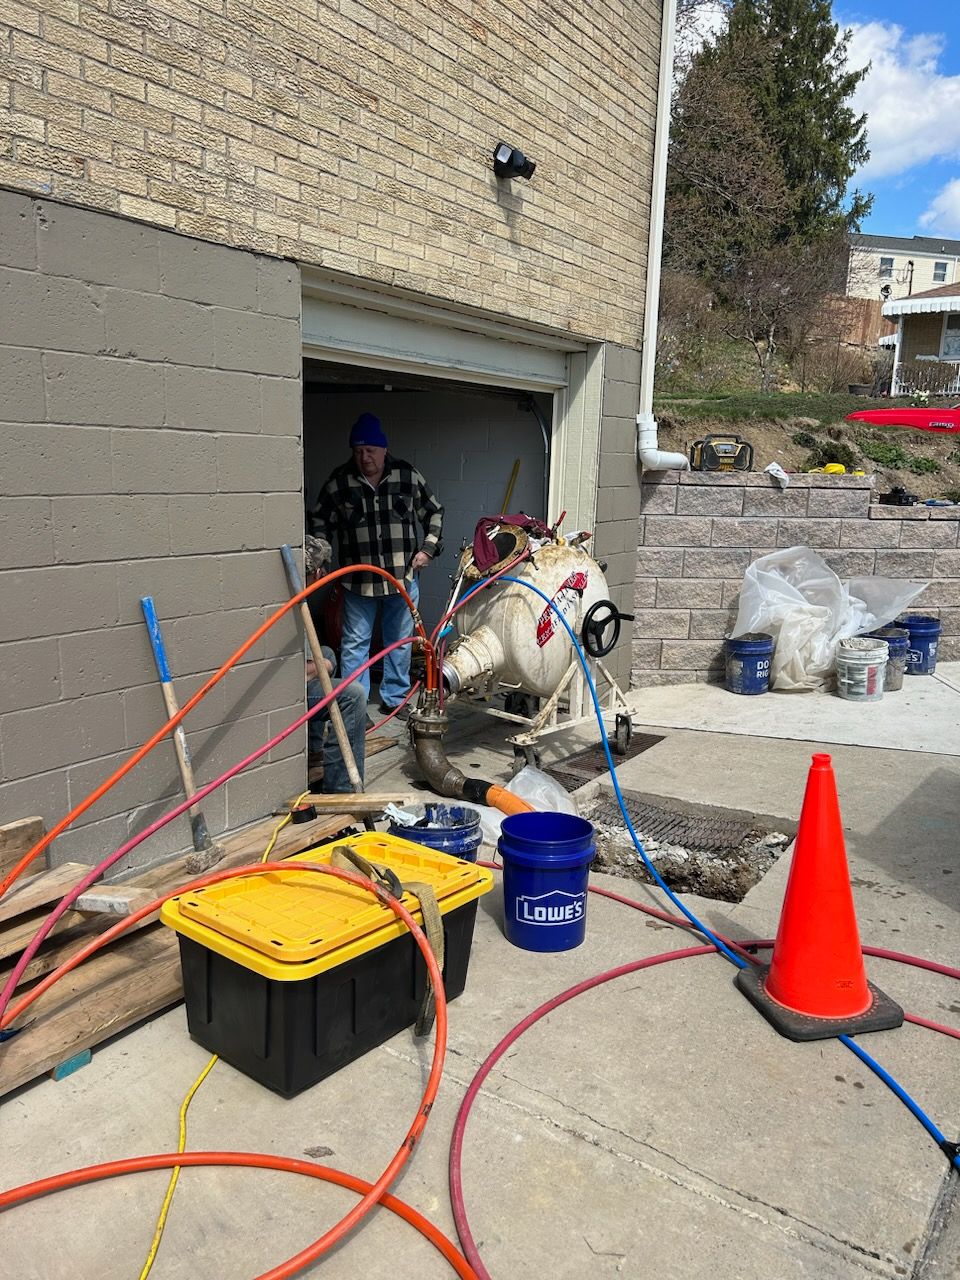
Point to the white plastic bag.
(534, 786)
(796, 597)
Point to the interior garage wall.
(151, 420)
(465, 443)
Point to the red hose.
(96, 872)
(407, 1147)
(245, 1160)
(456, 1144)
(138, 755)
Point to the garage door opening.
(467, 439)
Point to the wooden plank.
(40, 890)
(126, 983)
(53, 952)
(134, 977)
(16, 838)
(365, 802)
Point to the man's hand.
(420, 561)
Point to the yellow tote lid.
(293, 919)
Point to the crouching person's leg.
(353, 708)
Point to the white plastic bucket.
(861, 663)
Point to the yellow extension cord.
(184, 1106)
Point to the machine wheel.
(523, 756)
(601, 628)
(622, 735)
(521, 704)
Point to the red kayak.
(943, 421)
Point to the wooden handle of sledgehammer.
(198, 825)
(336, 719)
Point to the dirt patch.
(714, 853)
(925, 464)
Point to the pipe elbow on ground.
(651, 457)
(426, 732)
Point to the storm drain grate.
(699, 832)
(584, 766)
(695, 849)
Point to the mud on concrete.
(714, 853)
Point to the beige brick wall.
(698, 533)
(357, 136)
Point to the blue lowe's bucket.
(924, 638)
(748, 663)
(546, 865)
(451, 828)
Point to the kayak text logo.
(551, 908)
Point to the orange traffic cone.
(816, 985)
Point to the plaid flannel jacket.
(378, 526)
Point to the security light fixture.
(509, 162)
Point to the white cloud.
(913, 111)
(943, 215)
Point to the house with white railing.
(927, 348)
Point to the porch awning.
(920, 305)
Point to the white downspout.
(651, 457)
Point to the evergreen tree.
(802, 101)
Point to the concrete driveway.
(655, 1127)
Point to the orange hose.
(245, 1160)
(407, 1147)
(504, 800)
(138, 755)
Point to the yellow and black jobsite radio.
(721, 453)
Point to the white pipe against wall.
(651, 457)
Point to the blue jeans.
(322, 740)
(359, 615)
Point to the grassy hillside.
(806, 430)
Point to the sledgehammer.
(208, 853)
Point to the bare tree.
(774, 298)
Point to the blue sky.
(911, 96)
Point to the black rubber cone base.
(883, 1014)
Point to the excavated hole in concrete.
(715, 853)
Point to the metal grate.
(703, 833)
(586, 765)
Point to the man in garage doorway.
(377, 509)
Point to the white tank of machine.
(510, 635)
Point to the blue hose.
(638, 844)
(948, 1148)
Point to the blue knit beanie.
(367, 430)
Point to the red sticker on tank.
(566, 596)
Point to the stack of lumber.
(135, 976)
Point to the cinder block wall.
(698, 532)
(617, 492)
(358, 136)
(150, 412)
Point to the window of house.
(886, 268)
(950, 349)
(939, 273)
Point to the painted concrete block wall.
(358, 136)
(698, 533)
(150, 412)
(618, 491)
